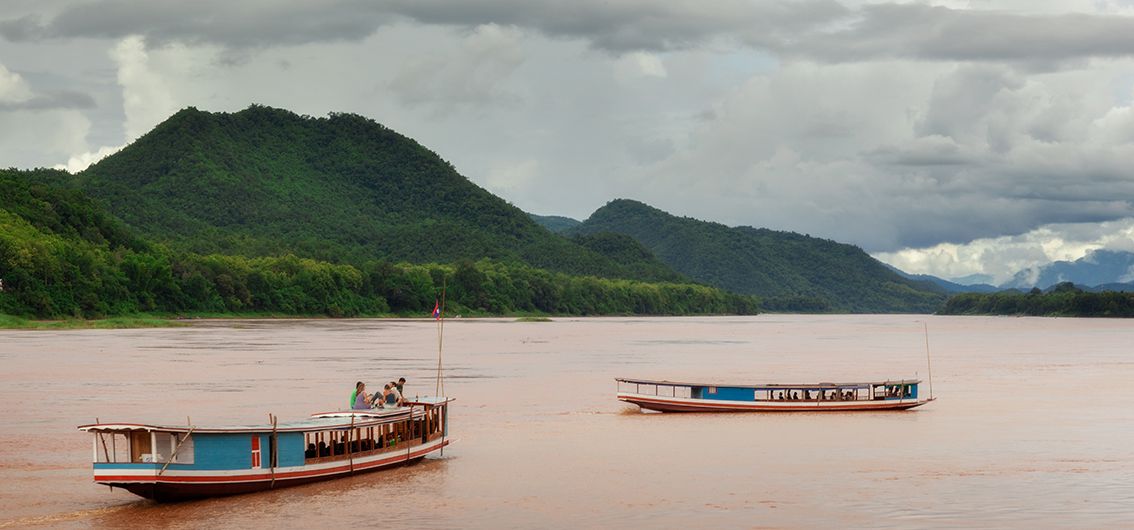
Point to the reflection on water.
(1033, 427)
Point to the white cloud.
(12, 86)
(472, 72)
(639, 64)
(508, 179)
(1002, 257)
(147, 97)
(81, 161)
(30, 132)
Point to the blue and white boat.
(672, 396)
(170, 463)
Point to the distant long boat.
(671, 396)
(170, 463)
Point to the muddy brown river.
(1033, 426)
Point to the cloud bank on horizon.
(948, 138)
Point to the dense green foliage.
(1062, 300)
(791, 272)
(62, 255)
(343, 189)
(555, 223)
(637, 260)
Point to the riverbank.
(173, 321)
(146, 321)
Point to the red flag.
(436, 309)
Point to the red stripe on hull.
(179, 488)
(662, 405)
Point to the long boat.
(171, 463)
(671, 396)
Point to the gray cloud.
(823, 30)
(220, 22)
(915, 31)
(636, 24)
(51, 101)
(886, 126)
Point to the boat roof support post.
(350, 449)
(176, 450)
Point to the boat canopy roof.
(321, 421)
(775, 386)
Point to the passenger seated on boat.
(390, 396)
(358, 399)
(781, 396)
(398, 399)
(795, 396)
(311, 452)
(380, 397)
(324, 450)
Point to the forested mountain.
(63, 255)
(792, 272)
(343, 189)
(555, 223)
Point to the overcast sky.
(949, 138)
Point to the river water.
(1033, 426)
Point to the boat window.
(712, 390)
(111, 447)
(177, 446)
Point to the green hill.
(792, 272)
(62, 255)
(555, 223)
(343, 189)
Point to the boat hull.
(668, 404)
(173, 486)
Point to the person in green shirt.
(359, 392)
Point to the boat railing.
(815, 393)
(355, 442)
(656, 389)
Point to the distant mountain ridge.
(948, 286)
(792, 272)
(344, 189)
(556, 223)
(1098, 267)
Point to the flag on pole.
(436, 309)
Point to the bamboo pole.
(176, 450)
(275, 443)
(928, 361)
(105, 452)
(439, 389)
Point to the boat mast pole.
(439, 389)
(928, 361)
